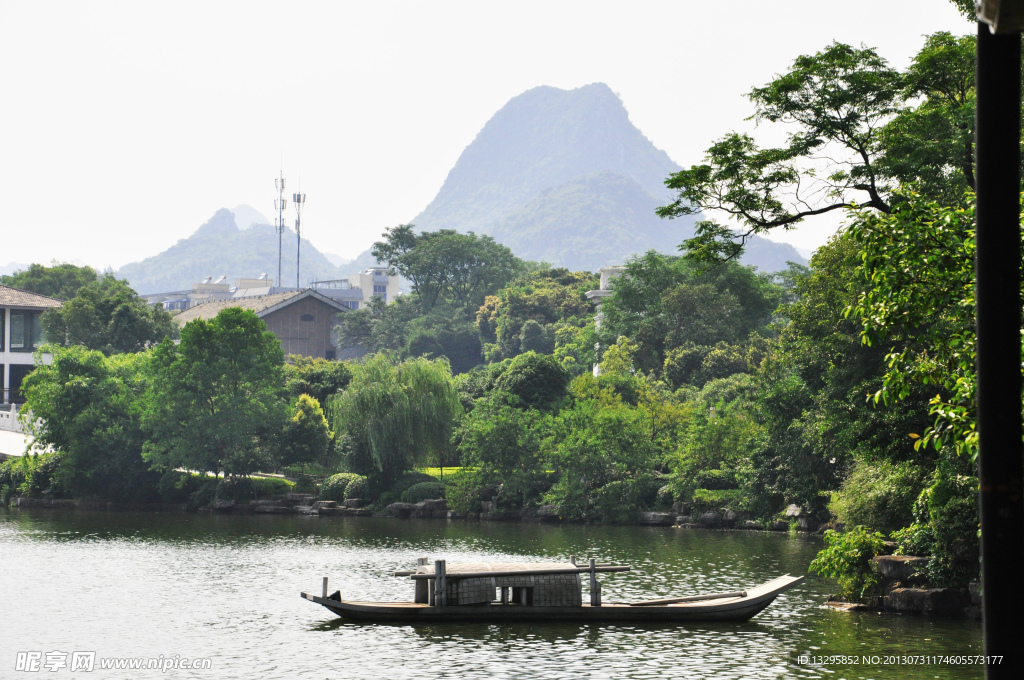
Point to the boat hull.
(726, 609)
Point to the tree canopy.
(860, 129)
(446, 266)
(107, 315)
(60, 280)
(215, 401)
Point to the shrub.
(878, 495)
(410, 479)
(464, 490)
(847, 558)
(917, 539)
(423, 491)
(953, 513)
(357, 488)
(12, 476)
(42, 475)
(177, 487)
(267, 487)
(333, 488)
(235, 489)
(665, 497)
(203, 495)
(621, 500)
(705, 500)
(387, 498)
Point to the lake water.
(227, 588)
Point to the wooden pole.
(422, 595)
(997, 291)
(595, 587)
(325, 588)
(440, 584)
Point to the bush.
(333, 488)
(705, 500)
(177, 487)
(464, 490)
(42, 476)
(238, 489)
(357, 488)
(621, 500)
(665, 497)
(952, 503)
(423, 491)
(203, 495)
(409, 479)
(387, 498)
(917, 539)
(12, 476)
(268, 487)
(847, 558)
(878, 495)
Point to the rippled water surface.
(227, 588)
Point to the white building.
(357, 290)
(21, 334)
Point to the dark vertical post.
(998, 329)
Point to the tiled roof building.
(302, 320)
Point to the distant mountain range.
(564, 176)
(561, 176)
(219, 247)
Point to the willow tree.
(397, 415)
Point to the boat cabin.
(549, 584)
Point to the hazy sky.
(126, 125)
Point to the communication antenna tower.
(280, 203)
(299, 200)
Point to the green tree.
(59, 280)
(307, 437)
(319, 378)
(109, 316)
(502, 442)
(446, 266)
(537, 380)
(397, 414)
(216, 401)
(89, 408)
(662, 303)
(534, 309)
(873, 126)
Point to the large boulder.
(710, 519)
(402, 510)
(431, 509)
(933, 601)
(657, 519)
(899, 567)
(548, 513)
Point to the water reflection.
(126, 584)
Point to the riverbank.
(305, 504)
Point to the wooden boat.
(496, 593)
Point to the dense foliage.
(59, 280)
(109, 316)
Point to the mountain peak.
(222, 222)
(539, 140)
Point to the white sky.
(124, 126)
